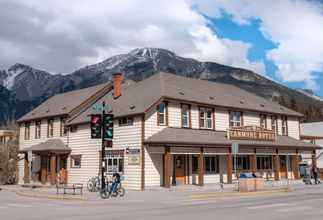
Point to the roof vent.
(181, 93)
(33, 113)
(47, 110)
(281, 108)
(242, 101)
(262, 105)
(211, 98)
(132, 107)
(64, 108)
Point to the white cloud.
(294, 25)
(60, 35)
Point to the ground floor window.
(211, 164)
(264, 162)
(114, 161)
(76, 161)
(243, 162)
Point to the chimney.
(117, 81)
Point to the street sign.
(235, 148)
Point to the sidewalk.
(151, 193)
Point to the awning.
(210, 138)
(52, 145)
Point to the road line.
(295, 209)
(268, 206)
(20, 205)
(3, 207)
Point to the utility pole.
(103, 148)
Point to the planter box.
(251, 184)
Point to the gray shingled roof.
(195, 137)
(138, 97)
(61, 104)
(312, 129)
(50, 145)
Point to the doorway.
(179, 164)
(283, 166)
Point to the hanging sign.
(133, 156)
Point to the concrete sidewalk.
(150, 193)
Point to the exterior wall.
(293, 127)
(151, 126)
(221, 119)
(33, 141)
(251, 118)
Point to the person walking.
(315, 174)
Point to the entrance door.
(283, 166)
(180, 169)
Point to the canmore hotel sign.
(251, 133)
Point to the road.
(301, 204)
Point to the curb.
(239, 194)
(55, 197)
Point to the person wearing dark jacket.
(315, 174)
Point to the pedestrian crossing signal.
(96, 126)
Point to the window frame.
(50, 128)
(233, 123)
(284, 126)
(63, 128)
(129, 121)
(73, 128)
(38, 129)
(27, 131)
(204, 120)
(73, 158)
(114, 155)
(274, 118)
(186, 108)
(163, 114)
(263, 119)
(243, 162)
(214, 164)
(264, 162)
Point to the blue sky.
(250, 33)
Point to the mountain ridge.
(22, 81)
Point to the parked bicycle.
(94, 184)
(113, 187)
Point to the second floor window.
(27, 130)
(263, 121)
(206, 118)
(162, 113)
(274, 123)
(37, 129)
(186, 121)
(126, 121)
(235, 119)
(63, 128)
(50, 128)
(284, 126)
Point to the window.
(206, 118)
(76, 161)
(162, 113)
(243, 162)
(50, 128)
(27, 130)
(73, 128)
(274, 123)
(235, 119)
(63, 128)
(211, 165)
(186, 114)
(114, 161)
(264, 162)
(37, 129)
(126, 121)
(263, 121)
(284, 126)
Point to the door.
(180, 169)
(283, 166)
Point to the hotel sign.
(251, 133)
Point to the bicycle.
(94, 184)
(120, 191)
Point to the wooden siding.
(153, 169)
(293, 127)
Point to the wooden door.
(180, 169)
(283, 166)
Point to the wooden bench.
(73, 187)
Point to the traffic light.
(108, 122)
(96, 126)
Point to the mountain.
(23, 81)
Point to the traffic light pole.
(103, 149)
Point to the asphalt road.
(301, 204)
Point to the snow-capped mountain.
(31, 86)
